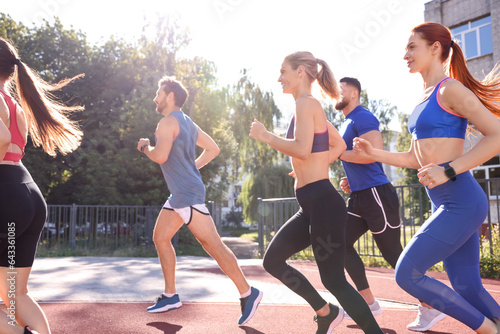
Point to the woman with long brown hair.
(452, 97)
(22, 208)
(313, 143)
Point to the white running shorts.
(187, 212)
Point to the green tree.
(256, 159)
(120, 83)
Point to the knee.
(406, 275)
(271, 264)
(160, 239)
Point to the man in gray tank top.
(176, 139)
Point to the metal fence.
(415, 208)
(106, 228)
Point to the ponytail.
(487, 90)
(327, 81)
(49, 124)
(325, 77)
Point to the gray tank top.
(180, 172)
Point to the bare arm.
(5, 136)
(166, 132)
(299, 147)
(398, 159)
(375, 138)
(210, 149)
(465, 103)
(336, 143)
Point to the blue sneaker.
(249, 306)
(164, 303)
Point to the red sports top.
(16, 137)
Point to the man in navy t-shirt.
(373, 203)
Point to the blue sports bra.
(430, 120)
(320, 142)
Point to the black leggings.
(22, 215)
(320, 222)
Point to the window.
(490, 170)
(474, 37)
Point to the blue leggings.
(450, 235)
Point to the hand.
(344, 185)
(292, 174)
(432, 176)
(257, 130)
(142, 141)
(362, 147)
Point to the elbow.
(342, 147)
(216, 151)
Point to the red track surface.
(220, 318)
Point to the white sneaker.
(426, 318)
(375, 308)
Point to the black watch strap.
(450, 172)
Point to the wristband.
(143, 146)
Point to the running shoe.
(249, 305)
(426, 318)
(164, 303)
(327, 323)
(375, 308)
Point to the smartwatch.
(450, 172)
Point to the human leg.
(203, 228)
(291, 238)
(328, 242)
(462, 268)
(14, 293)
(167, 224)
(421, 254)
(22, 217)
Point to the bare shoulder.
(308, 105)
(452, 89)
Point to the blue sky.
(363, 38)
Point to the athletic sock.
(169, 295)
(246, 294)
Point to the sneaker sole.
(336, 321)
(165, 308)
(430, 325)
(254, 308)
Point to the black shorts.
(377, 206)
(22, 215)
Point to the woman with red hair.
(452, 98)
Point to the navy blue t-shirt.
(361, 176)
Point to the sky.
(365, 39)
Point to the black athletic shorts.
(378, 206)
(23, 212)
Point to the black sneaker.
(327, 323)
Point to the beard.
(341, 104)
(160, 108)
